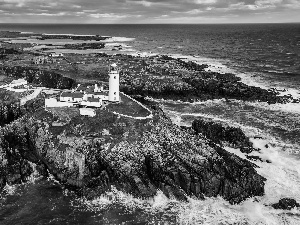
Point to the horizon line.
(155, 23)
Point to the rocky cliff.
(137, 157)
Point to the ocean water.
(265, 55)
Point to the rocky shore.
(193, 83)
(73, 37)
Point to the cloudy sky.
(149, 11)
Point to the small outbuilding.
(92, 102)
(87, 112)
(52, 102)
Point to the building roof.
(105, 93)
(90, 99)
(72, 94)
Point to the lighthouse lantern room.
(114, 95)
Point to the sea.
(264, 55)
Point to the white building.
(114, 93)
(52, 102)
(87, 112)
(71, 97)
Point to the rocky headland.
(137, 157)
(92, 154)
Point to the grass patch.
(64, 114)
(128, 107)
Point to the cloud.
(144, 3)
(76, 6)
(205, 2)
(47, 14)
(106, 15)
(148, 11)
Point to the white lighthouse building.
(114, 94)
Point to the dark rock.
(83, 46)
(222, 133)
(10, 112)
(286, 203)
(155, 154)
(42, 169)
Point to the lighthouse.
(114, 95)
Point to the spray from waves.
(287, 107)
(222, 110)
(282, 174)
(160, 209)
(9, 190)
(109, 198)
(214, 65)
(12, 189)
(118, 39)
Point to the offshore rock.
(286, 203)
(221, 133)
(136, 156)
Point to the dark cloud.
(148, 11)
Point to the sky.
(149, 11)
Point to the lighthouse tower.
(114, 95)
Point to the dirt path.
(31, 96)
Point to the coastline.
(264, 166)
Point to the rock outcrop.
(221, 133)
(138, 157)
(286, 203)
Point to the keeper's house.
(90, 95)
(71, 97)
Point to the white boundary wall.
(31, 96)
(137, 118)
